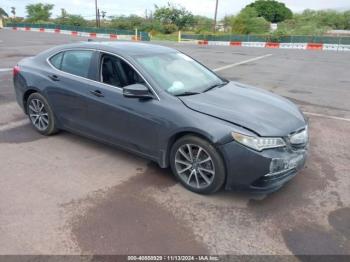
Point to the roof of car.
(126, 48)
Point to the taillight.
(16, 70)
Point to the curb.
(77, 33)
(273, 45)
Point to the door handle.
(97, 93)
(54, 77)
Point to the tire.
(42, 120)
(194, 175)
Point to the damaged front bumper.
(261, 172)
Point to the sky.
(138, 7)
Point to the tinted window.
(77, 62)
(56, 60)
(116, 72)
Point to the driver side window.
(116, 72)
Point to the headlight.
(299, 138)
(258, 143)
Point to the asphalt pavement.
(66, 194)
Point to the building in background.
(273, 27)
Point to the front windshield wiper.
(216, 85)
(187, 93)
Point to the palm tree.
(13, 11)
(3, 13)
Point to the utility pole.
(216, 14)
(96, 12)
(98, 17)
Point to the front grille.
(298, 147)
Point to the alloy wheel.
(194, 166)
(38, 114)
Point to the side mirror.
(137, 91)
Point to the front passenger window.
(116, 72)
(77, 62)
(109, 71)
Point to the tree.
(127, 22)
(13, 11)
(3, 13)
(347, 20)
(63, 18)
(227, 22)
(169, 28)
(172, 14)
(311, 22)
(202, 24)
(272, 10)
(38, 12)
(151, 26)
(248, 22)
(76, 20)
(69, 19)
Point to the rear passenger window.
(56, 60)
(76, 62)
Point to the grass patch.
(164, 37)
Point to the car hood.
(258, 110)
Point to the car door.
(70, 87)
(128, 122)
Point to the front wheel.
(197, 165)
(41, 115)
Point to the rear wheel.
(197, 165)
(41, 115)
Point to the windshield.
(179, 74)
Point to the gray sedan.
(163, 105)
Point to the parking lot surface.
(66, 194)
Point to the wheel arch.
(26, 95)
(176, 136)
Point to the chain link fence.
(270, 38)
